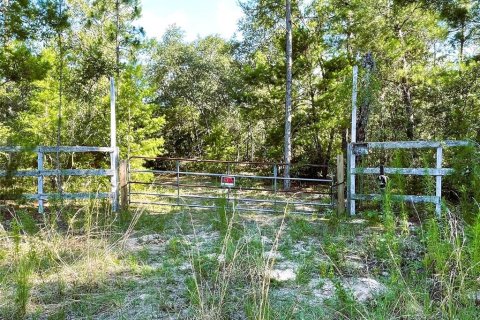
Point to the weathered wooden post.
(40, 181)
(351, 158)
(353, 135)
(177, 168)
(340, 184)
(275, 174)
(113, 145)
(438, 182)
(123, 171)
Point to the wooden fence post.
(123, 184)
(113, 144)
(40, 181)
(438, 182)
(340, 184)
(351, 179)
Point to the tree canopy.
(224, 98)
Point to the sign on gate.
(227, 181)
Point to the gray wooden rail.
(359, 149)
(40, 173)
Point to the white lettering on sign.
(227, 181)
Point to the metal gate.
(211, 184)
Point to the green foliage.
(255, 312)
(335, 249)
(439, 249)
(224, 99)
(175, 247)
(201, 118)
(301, 228)
(451, 257)
(205, 267)
(345, 301)
(306, 270)
(193, 291)
(222, 217)
(474, 235)
(23, 285)
(214, 98)
(26, 222)
(27, 67)
(466, 180)
(151, 223)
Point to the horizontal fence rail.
(248, 163)
(64, 172)
(69, 196)
(62, 149)
(407, 198)
(413, 144)
(40, 173)
(405, 171)
(206, 174)
(176, 185)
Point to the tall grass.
(23, 284)
(243, 264)
(56, 260)
(446, 284)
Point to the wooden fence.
(359, 149)
(40, 173)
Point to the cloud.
(155, 25)
(228, 15)
(194, 17)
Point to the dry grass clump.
(50, 266)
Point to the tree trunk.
(407, 102)
(406, 93)
(288, 98)
(362, 121)
(462, 44)
(117, 43)
(329, 153)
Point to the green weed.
(23, 284)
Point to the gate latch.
(382, 178)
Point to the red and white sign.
(227, 181)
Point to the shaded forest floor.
(223, 265)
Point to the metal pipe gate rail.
(178, 186)
(360, 149)
(40, 173)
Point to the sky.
(195, 17)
